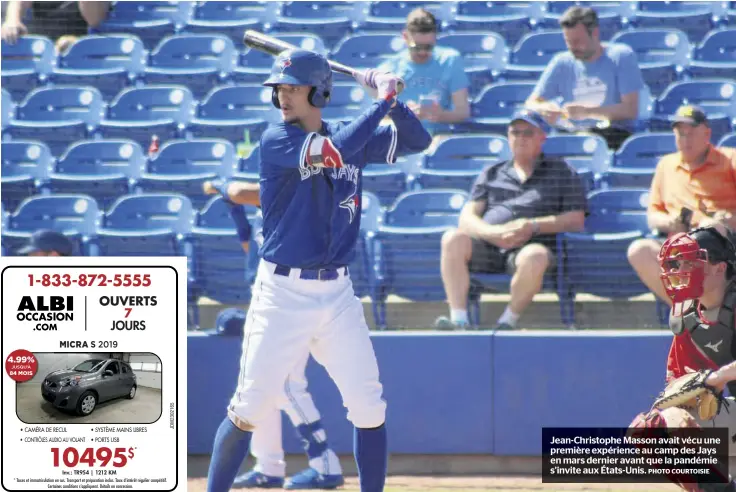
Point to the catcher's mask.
(682, 261)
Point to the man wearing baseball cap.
(46, 242)
(693, 187)
(510, 223)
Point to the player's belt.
(315, 274)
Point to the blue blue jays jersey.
(311, 215)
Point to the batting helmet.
(302, 67)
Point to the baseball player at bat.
(303, 300)
(324, 471)
(698, 271)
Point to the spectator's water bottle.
(153, 148)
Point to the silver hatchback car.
(94, 381)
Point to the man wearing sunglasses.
(436, 86)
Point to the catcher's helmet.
(302, 67)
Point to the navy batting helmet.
(302, 67)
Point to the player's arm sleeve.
(405, 135)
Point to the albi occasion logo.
(46, 311)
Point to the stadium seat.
(58, 116)
(612, 16)
(588, 154)
(389, 181)
(347, 101)
(492, 110)
(595, 260)
(331, 19)
(485, 56)
(231, 19)
(513, 19)
(139, 113)
(716, 96)
(109, 63)
(254, 66)
(457, 161)
(635, 161)
(390, 16)
(26, 167)
(224, 273)
(151, 21)
(361, 268)
(715, 56)
(728, 140)
(26, 64)
(363, 51)
(182, 166)
(532, 54)
(74, 215)
(693, 17)
(248, 167)
(228, 111)
(8, 109)
(407, 246)
(198, 61)
(662, 54)
(102, 169)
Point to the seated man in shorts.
(510, 223)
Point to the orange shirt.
(711, 186)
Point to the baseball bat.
(274, 46)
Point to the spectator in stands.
(46, 242)
(436, 83)
(692, 187)
(510, 223)
(592, 86)
(53, 19)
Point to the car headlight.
(69, 382)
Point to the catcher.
(698, 270)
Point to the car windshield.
(89, 365)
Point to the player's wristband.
(242, 226)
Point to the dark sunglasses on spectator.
(421, 47)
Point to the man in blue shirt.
(592, 86)
(436, 83)
(303, 300)
(510, 223)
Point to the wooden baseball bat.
(274, 46)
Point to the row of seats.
(62, 115)
(398, 252)
(155, 20)
(201, 61)
(106, 169)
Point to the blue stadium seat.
(26, 64)
(532, 54)
(408, 246)
(224, 272)
(74, 215)
(228, 111)
(390, 16)
(331, 19)
(693, 17)
(146, 225)
(138, 113)
(612, 16)
(492, 110)
(26, 167)
(151, 21)
(254, 66)
(715, 56)
(513, 19)
(485, 56)
(347, 101)
(588, 154)
(662, 54)
(182, 166)
(58, 116)
(716, 96)
(198, 61)
(595, 261)
(231, 19)
(248, 167)
(728, 140)
(8, 109)
(457, 161)
(102, 169)
(389, 181)
(635, 161)
(364, 51)
(109, 63)
(361, 268)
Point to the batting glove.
(384, 84)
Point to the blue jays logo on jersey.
(351, 204)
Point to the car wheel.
(87, 403)
(131, 395)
